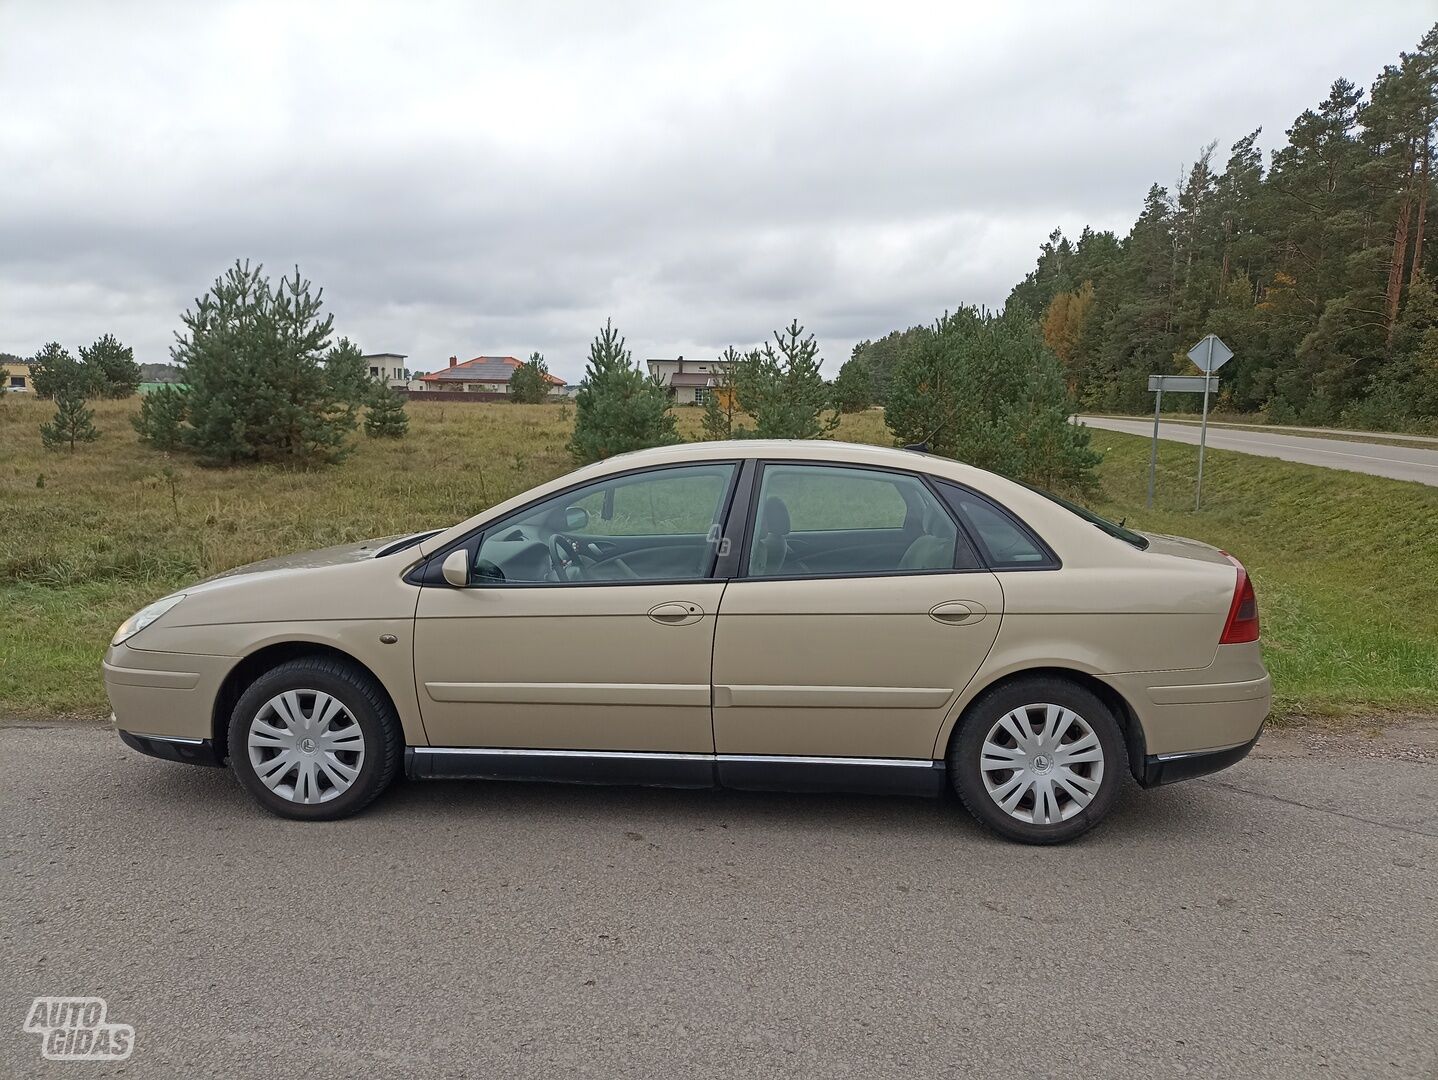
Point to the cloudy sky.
(494, 178)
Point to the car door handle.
(957, 612)
(676, 613)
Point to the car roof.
(802, 449)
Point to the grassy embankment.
(1346, 565)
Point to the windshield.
(1128, 536)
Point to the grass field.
(1346, 565)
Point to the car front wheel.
(314, 739)
(1039, 760)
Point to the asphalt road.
(1415, 463)
(1279, 919)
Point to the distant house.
(388, 368)
(15, 377)
(689, 381)
(482, 375)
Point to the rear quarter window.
(1006, 542)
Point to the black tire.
(979, 719)
(364, 700)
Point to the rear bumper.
(170, 748)
(1199, 711)
(1160, 769)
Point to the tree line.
(976, 386)
(773, 391)
(264, 381)
(1317, 268)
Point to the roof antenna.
(917, 447)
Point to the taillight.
(1242, 624)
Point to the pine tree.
(346, 373)
(618, 408)
(985, 389)
(529, 384)
(722, 400)
(53, 370)
(111, 368)
(73, 421)
(161, 419)
(781, 388)
(252, 356)
(854, 386)
(386, 418)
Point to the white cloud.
(499, 179)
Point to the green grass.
(1346, 565)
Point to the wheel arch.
(266, 658)
(1117, 704)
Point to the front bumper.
(164, 694)
(1160, 769)
(170, 748)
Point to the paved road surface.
(1397, 462)
(1280, 919)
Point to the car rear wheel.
(314, 739)
(1039, 760)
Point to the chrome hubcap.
(305, 746)
(1041, 764)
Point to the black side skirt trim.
(645, 770)
(800, 775)
(679, 770)
(1158, 770)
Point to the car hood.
(309, 560)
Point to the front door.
(860, 615)
(588, 624)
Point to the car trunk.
(1185, 548)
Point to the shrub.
(986, 390)
(160, 422)
(618, 408)
(529, 384)
(53, 369)
(386, 418)
(110, 368)
(73, 421)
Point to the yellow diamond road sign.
(1210, 354)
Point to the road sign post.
(1208, 356)
(1153, 450)
(1177, 384)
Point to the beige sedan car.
(775, 615)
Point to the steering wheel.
(564, 554)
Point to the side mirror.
(456, 568)
(576, 518)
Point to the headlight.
(144, 617)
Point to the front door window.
(660, 525)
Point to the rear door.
(859, 612)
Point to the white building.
(388, 368)
(689, 381)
